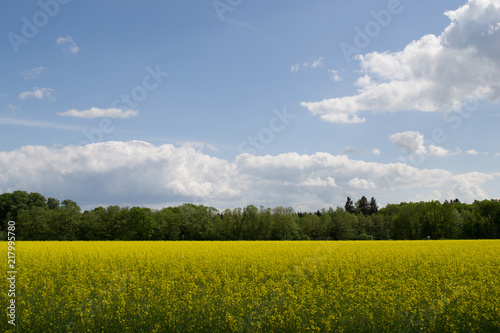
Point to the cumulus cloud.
(307, 65)
(329, 181)
(438, 151)
(411, 142)
(433, 73)
(33, 73)
(266, 176)
(376, 151)
(472, 152)
(137, 172)
(362, 183)
(100, 113)
(40, 93)
(68, 44)
(118, 172)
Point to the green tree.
(32, 224)
(285, 223)
(53, 203)
(349, 206)
(251, 223)
(167, 224)
(362, 206)
(373, 209)
(37, 200)
(342, 224)
(141, 221)
(311, 225)
(266, 223)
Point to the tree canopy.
(40, 218)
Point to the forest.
(40, 218)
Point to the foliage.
(49, 219)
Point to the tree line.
(40, 218)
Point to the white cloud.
(497, 155)
(411, 142)
(118, 172)
(472, 152)
(438, 151)
(13, 108)
(265, 176)
(467, 185)
(68, 44)
(100, 113)
(362, 183)
(475, 152)
(334, 75)
(352, 150)
(434, 73)
(329, 181)
(199, 145)
(40, 93)
(37, 123)
(33, 73)
(376, 151)
(307, 65)
(317, 63)
(137, 172)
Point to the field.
(392, 286)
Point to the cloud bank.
(137, 172)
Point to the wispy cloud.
(33, 73)
(198, 145)
(68, 44)
(241, 24)
(334, 75)
(40, 93)
(307, 65)
(352, 150)
(474, 152)
(100, 113)
(13, 108)
(37, 123)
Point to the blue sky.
(229, 103)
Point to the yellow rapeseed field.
(392, 286)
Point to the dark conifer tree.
(349, 206)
